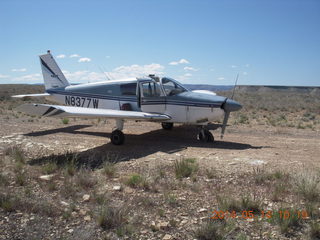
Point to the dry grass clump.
(12, 202)
(211, 230)
(246, 203)
(109, 169)
(211, 172)
(69, 189)
(49, 168)
(4, 180)
(85, 179)
(287, 219)
(8, 203)
(262, 176)
(314, 230)
(136, 180)
(116, 218)
(70, 165)
(16, 153)
(308, 186)
(185, 167)
(171, 199)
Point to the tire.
(167, 125)
(209, 137)
(205, 136)
(117, 137)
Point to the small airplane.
(149, 98)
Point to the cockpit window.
(171, 87)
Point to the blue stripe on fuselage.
(134, 99)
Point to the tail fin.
(52, 75)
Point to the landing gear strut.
(205, 135)
(117, 136)
(167, 125)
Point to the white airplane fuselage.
(179, 108)
(142, 99)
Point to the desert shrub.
(112, 217)
(21, 178)
(100, 198)
(314, 230)
(69, 189)
(49, 168)
(65, 120)
(278, 190)
(85, 179)
(7, 202)
(136, 180)
(16, 153)
(11, 203)
(308, 186)
(4, 180)
(125, 230)
(185, 167)
(243, 119)
(262, 176)
(286, 219)
(171, 199)
(246, 203)
(109, 169)
(211, 173)
(210, 230)
(71, 166)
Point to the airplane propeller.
(228, 106)
(224, 124)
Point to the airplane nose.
(231, 106)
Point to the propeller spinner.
(228, 106)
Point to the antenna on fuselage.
(107, 77)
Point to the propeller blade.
(235, 85)
(224, 124)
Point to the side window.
(101, 90)
(128, 89)
(150, 89)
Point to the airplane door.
(150, 97)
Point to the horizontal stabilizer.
(67, 111)
(31, 95)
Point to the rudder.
(52, 74)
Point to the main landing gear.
(205, 135)
(117, 136)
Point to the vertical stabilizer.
(52, 75)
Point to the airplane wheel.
(205, 136)
(117, 137)
(167, 125)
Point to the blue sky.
(266, 42)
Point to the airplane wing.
(67, 111)
(31, 95)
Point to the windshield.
(172, 87)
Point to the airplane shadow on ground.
(135, 146)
